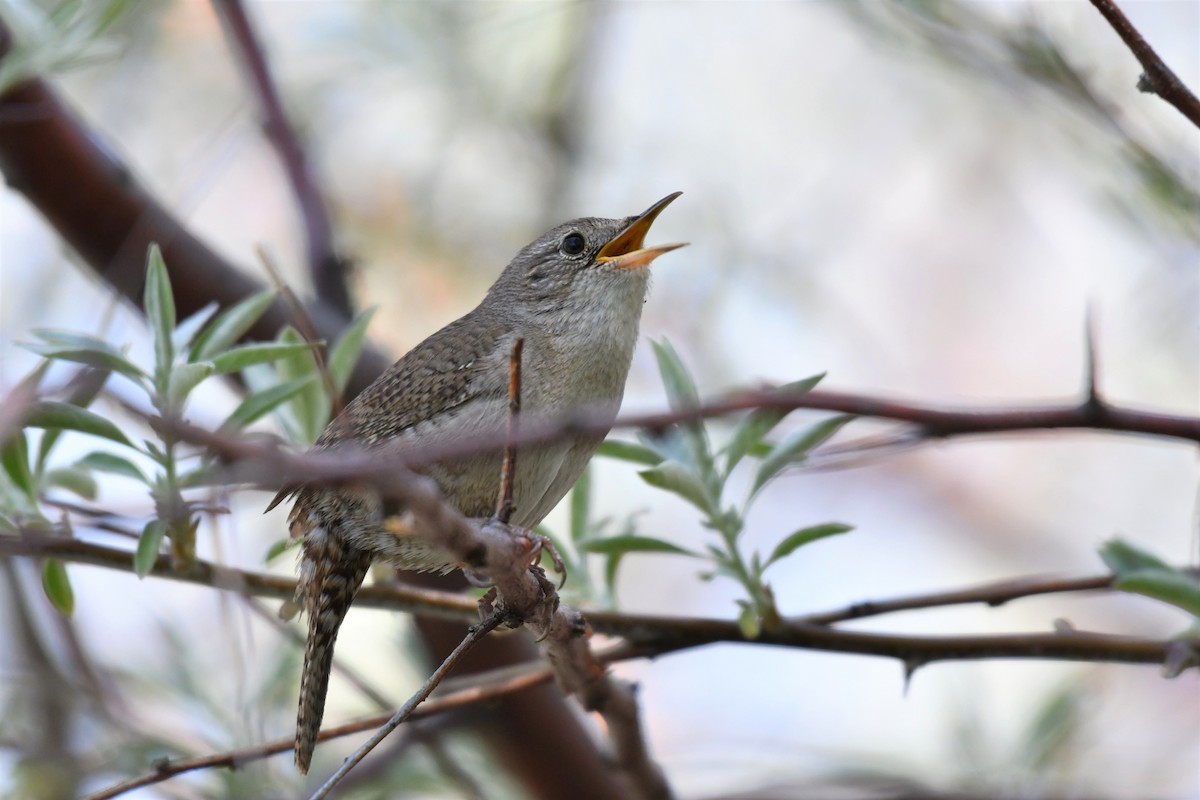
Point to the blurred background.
(923, 199)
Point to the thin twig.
(304, 326)
(234, 759)
(327, 268)
(993, 594)
(1091, 364)
(1158, 78)
(504, 504)
(474, 635)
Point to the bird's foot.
(544, 544)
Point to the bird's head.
(589, 271)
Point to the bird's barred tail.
(330, 573)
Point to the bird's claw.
(544, 544)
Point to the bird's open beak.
(626, 250)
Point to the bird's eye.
(573, 244)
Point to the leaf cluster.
(680, 459)
(186, 353)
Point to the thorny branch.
(677, 633)
(1157, 77)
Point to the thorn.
(911, 665)
(1090, 366)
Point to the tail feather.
(330, 574)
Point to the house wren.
(575, 296)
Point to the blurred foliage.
(978, 44)
(50, 38)
(186, 353)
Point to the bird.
(574, 296)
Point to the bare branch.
(327, 268)
(1157, 78)
(234, 759)
(993, 594)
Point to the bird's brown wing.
(446, 370)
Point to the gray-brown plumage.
(575, 295)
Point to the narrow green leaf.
(101, 355)
(231, 325)
(148, 547)
(57, 586)
(581, 502)
(629, 451)
(100, 461)
(1168, 585)
(73, 479)
(184, 378)
(53, 414)
(260, 403)
(279, 547)
(1052, 736)
(682, 396)
(681, 388)
(159, 306)
(796, 540)
(758, 423)
(14, 457)
(631, 543)
(85, 392)
(310, 407)
(612, 565)
(187, 330)
(676, 478)
(795, 447)
(242, 357)
(1123, 557)
(345, 352)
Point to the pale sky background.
(855, 204)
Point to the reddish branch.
(1157, 77)
(504, 505)
(235, 759)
